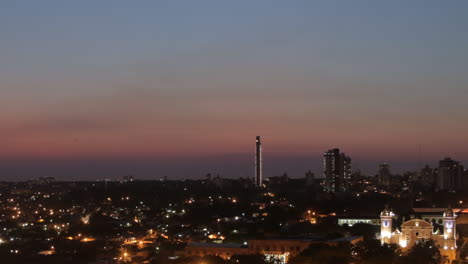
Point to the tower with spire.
(450, 238)
(386, 221)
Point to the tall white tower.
(386, 219)
(449, 229)
(258, 163)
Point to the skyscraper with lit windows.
(337, 171)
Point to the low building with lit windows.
(281, 250)
(416, 230)
(350, 221)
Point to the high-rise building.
(428, 176)
(337, 171)
(384, 176)
(465, 177)
(258, 162)
(450, 175)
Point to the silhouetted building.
(384, 176)
(428, 176)
(128, 178)
(46, 180)
(258, 162)
(337, 171)
(279, 179)
(450, 175)
(208, 177)
(310, 178)
(465, 177)
(413, 176)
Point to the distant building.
(416, 230)
(310, 178)
(450, 175)
(465, 176)
(258, 162)
(350, 221)
(208, 177)
(384, 176)
(46, 180)
(428, 176)
(337, 171)
(412, 176)
(279, 179)
(128, 178)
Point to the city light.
(403, 243)
(234, 132)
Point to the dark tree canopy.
(372, 251)
(425, 252)
(324, 254)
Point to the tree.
(102, 225)
(372, 251)
(366, 230)
(425, 252)
(324, 254)
(248, 259)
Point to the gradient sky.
(93, 89)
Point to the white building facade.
(417, 230)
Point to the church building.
(415, 230)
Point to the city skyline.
(228, 166)
(149, 89)
(234, 132)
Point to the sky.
(97, 89)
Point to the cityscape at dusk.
(169, 82)
(226, 132)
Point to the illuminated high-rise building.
(258, 162)
(337, 171)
